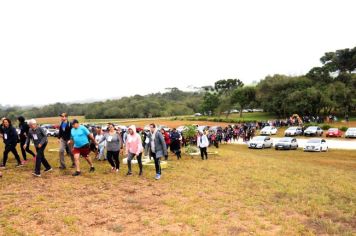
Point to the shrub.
(344, 128)
(325, 127)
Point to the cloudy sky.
(63, 51)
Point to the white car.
(350, 133)
(316, 145)
(313, 131)
(293, 131)
(260, 142)
(268, 130)
(180, 129)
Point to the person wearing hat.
(203, 143)
(38, 136)
(63, 137)
(80, 136)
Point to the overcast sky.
(63, 51)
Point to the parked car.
(215, 128)
(350, 133)
(313, 131)
(202, 127)
(166, 128)
(316, 145)
(52, 132)
(181, 128)
(286, 143)
(268, 130)
(197, 114)
(334, 132)
(261, 142)
(293, 131)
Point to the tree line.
(324, 90)
(327, 89)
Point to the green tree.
(243, 96)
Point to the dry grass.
(241, 191)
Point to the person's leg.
(17, 157)
(157, 165)
(77, 161)
(62, 149)
(29, 151)
(139, 160)
(109, 156)
(6, 155)
(38, 161)
(70, 153)
(44, 160)
(101, 153)
(23, 151)
(206, 153)
(116, 159)
(130, 156)
(202, 153)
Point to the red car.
(334, 132)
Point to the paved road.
(348, 144)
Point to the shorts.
(83, 151)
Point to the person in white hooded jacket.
(133, 148)
(203, 144)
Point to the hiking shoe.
(2, 167)
(92, 169)
(19, 165)
(48, 170)
(77, 173)
(140, 173)
(62, 167)
(129, 173)
(117, 170)
(158, 176)
(36, 175)
(24, 162)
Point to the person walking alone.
(203, 143)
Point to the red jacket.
(167, 139)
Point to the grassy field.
(239, 191)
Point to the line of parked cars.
(310, 131)
(288, 143)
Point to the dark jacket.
(38, 136)
(10, 136)
(66, 133)
(23, 130)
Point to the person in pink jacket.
(133, 148)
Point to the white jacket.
(202, 141)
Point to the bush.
(344, 128)
(325, 127)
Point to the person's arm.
(29, 136)
(120, 140)
(102, 139)
(44, 138)
(140, 147)
(163, 143)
